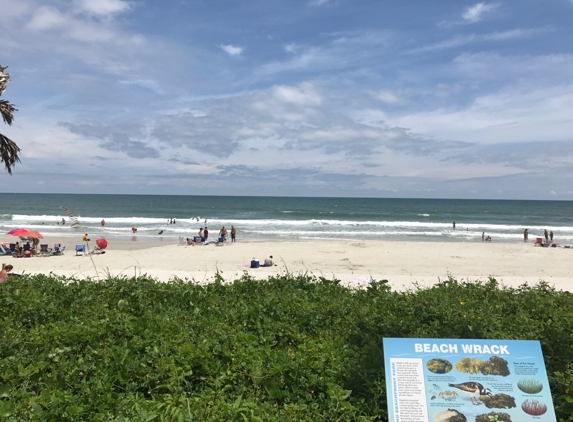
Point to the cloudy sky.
(380, 98)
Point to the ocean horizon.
(276, 218)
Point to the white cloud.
(46, 17)
(305, 95)
(102, 7)
(460, 41)
(232, 50)
(474, 13)
(386, 96)
(318, 2)
(291, 48)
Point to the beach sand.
(403, 264)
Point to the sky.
(364, 98)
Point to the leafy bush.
(284, 349)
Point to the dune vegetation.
(289, 348)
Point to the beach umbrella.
(33, 233)
(18, 232)
(101, 243)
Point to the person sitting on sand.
(268, 262)
(85, 238)
(4, 273)
(488, 239)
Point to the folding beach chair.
(5, 251)
(81, 249)
(58, 249)
(44, 249)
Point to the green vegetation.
(530, 386)
(285, 349)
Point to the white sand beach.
(401, 263)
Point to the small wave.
(424, 215)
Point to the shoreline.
(404, 264)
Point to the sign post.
(460, 380)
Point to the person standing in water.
(454, 224)
(233, 234)
(525, 235)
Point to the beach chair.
(13, 248)
(5, 251)
(538, 242)
(44, 250)
(81, 249)
(58, 249)
(220, 241)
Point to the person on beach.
(102, 222)
(551, 236)
(161, 232)
(134, 229)
(4, 273)
(488, 239)
(206, 233)
(482, 236)
(200, 232)
(35, 243)
(525, 235)
(546, 235)
(85, 238)
(233, 234)
(223, 233)
(454, 224)
(63, 221)
(268, 262)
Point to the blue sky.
(385, 98)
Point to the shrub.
(283, 349)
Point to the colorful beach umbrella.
(101, 243)
(18, 232)
(33, 233)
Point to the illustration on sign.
(453, 380)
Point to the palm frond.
(4, 79)
(8, 152)
(7, 110)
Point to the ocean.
(287, 218)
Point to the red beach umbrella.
(33, 233)
(18, 232)
(101, 243)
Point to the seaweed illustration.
(439, 366)
(533, 407)
(499, 401)
(493, 417)
(469, 365)
(530, 386)
(494, 366)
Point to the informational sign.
(445, 380)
